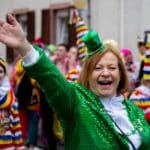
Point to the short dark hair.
(64, 45)
(141, 43)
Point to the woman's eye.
(98, 68)
(112, 68)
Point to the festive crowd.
(37, 123)
(51, 97)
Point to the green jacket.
(86, 125)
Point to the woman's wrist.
(24, 48)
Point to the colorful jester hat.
(146, 67)
(93, 43)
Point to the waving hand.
(12, 35)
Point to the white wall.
(122, 20)
(37, 5)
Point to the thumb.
(12, 20)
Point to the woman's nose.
(105, 72)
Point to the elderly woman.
(93, 113)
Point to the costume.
(72, 75)
(132, 68)
(28, 96)
(86, 125)
(10, 128)
(141, 95)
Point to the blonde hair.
(114, 44)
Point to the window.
(27, 20)
(55, 25)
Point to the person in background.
(39, 42)
(32, 109)
(10, 127)
(61, 59)
(74, 65)
(141, 95)
(28, 97)
(47, 137)
(23, 90)
(51, 48)
(141, 48)
(94, 113)
(131, 67)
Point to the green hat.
(93, 42)
(51, 48)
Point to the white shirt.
(117, 111)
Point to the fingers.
(12, 19)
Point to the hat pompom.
(93, 42)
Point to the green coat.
(86, 125)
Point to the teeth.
(105, 82)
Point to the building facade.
(121, 20)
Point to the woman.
(10, 128)
(93, 113)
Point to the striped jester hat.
(146, 68)
(81, 30)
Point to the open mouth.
(105, 82)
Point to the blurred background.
(125, 21)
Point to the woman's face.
(2, 74)
(105, 76)
(128, 58)
(72, 54)
(61, 52)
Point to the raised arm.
(12, 35)
(60, 93)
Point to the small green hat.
(93, 42)
(52, 48)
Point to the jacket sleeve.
(59, 92)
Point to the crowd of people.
(51, 98)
